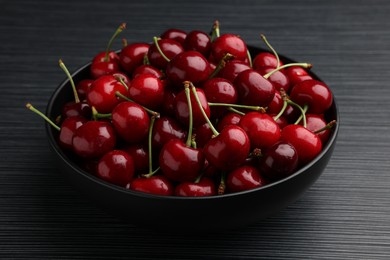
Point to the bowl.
(220, 212)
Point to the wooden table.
(345, 215)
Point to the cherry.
(254, 89)
(99, 69)
(131, 121)
(182, 111)
(165, 129)
(279, 161)
(179, 162)
(205, 187)
(83, 87)
(243, 178)
(203, 134)
(297, 74)
(168, 49)
(232, 68)
(307, 144)
(313, 93)
(188, 66)
(230, 118)
(93, 139)
(316, 122)
(157, 185)
(121, 76)
(281, 120)
(132, 56)
(276, 104)
(102, 93)
(147, 90)
(101, 57)
(278, 78)
(116, 167)
(228, 149)
(198, 41)
(229, 43)
(139, 153)
(261, 129)
(147, 69)
(174, 34)
(68, 129)
(168, 106)
(265, 60)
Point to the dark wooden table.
(345, 215)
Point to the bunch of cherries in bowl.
(193, 114)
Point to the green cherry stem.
(151, 112)
(305, 107)
(120, 79)
(113, 37)
(222, 184)
(190, 125)
(124, 42)
(248, 54)
(329, 125)
(36, 111)
(255, 108)
(303, 112)
(215, 33)
(300, 64)
(155, 40)
(231, 109)
(262, 36)
(215, 132)
(96, 115)
(65, 69)
(221, 64)
(150, 151)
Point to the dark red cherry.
(265, 59)
(93, 139)
(147, 69)
(170, 48)
(165, 129)
(281, 121)
(229, 43)
(229, 149)
(279, 161)
(229, 119)
(205, 187)
(102, 93)
(147, 90)
(307, 144)
(203, 134)
(297, 74)
(198, 41)
(174, 34)
(72, 108)
(261, 129)
(130, 121)
(68, 129)
(156, 184)
(276, 104)
(253, 89)
(313, 93)
(132, 56)
(140, 155)
(179, 162)
(116, 167)
(168, 106)
(188, 66)
(99, 69)
(232, 68)
(278, 78)
(244, 178)
(101, 57)
(121, 76)
(83, 87)
(316, 122)
(182, 112)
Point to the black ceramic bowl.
(179, 213)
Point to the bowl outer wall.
(201, 213)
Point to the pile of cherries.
(192, 114)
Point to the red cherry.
(244, 178)
(182, 112)
(316, 122)
(174, 34)
(307, 144)
(132, 56)
(261, 129)
(165, 129)
(121, 76)
(205, 187)
(99, 69)
(203, 134)
(188, 66)
(130, 121)
(83, 87)
(278, 78)
(102, 93)
(68, 129)
(279, 161)
(179, 162)
(265, 59)
(94, 139)
(276, 104)
(156, 184)
(147, 69)
(170, 48)
(140, 155)
(297, 74)
(313, 93)
(232, 68)
(229, 149)
(229, 119)
(101, 57)
(147, 90)
(229, 43)
(198, 41)
(281, 121)
(116, 167)
(73, 108)
(254, 89)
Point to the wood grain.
(345, 215)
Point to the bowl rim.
(85, 174)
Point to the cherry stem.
(215, 33)
(303, 65)
(305, 107)
(124, 42)
(262, 36)
(146, 61)
(63, 67)
(120, 79)
(285, 97)
(255, 108)
(113, 37)
(236, 111)
(248, 54)
(96, 115)
(221, 64)
(151, 112)
(190, 124)
(215, 132)
(303, 112)
(150, 147)
(155, 40)
(36, 111)
(222, 184)
(329, 125)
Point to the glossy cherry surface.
(147, 90)
(68, 129)
(198, 41)
(169, 47)
(264, 60)
(174, 34)
(297, 74)
(205, 187)
(278, 78)
(132, 56)
(230, 118)
(232, 68)
(244, 178)
(229, 43)
(156, 184)
(165, 129)
(147, 69)
(140, 155)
